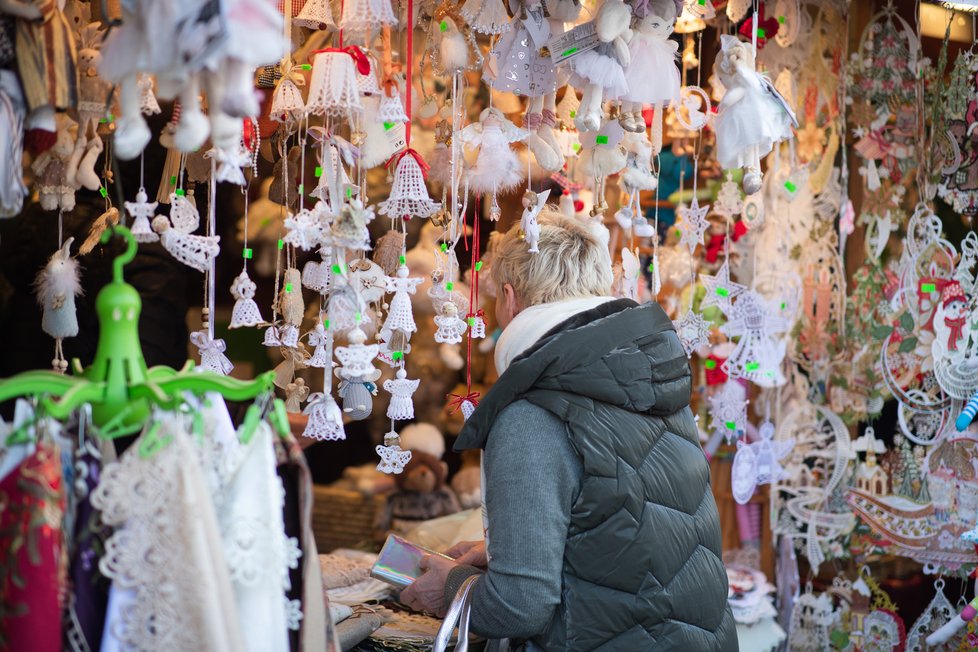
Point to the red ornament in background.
(766, 28)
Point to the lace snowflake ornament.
(392, 458)
(401, 389)
(325, 421)
(759, 351)
(693, 331)
(694, 224)
(720, 290)
(305, 230)
(142, 212)
(230, 164)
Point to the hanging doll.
(521, 68)
(57, 286)
(601, 71)
(494, 166)
(177, 235)
(54, 189)
(142, 212)
(401, 407)
(753, 116)
(93, 94)
(46, 63)
(357, 375)
(321, 340)
(400, 320)
(533, 203)
(450, 326)
(652, 74)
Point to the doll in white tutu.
(753, 116)
(601, 72)
(492, 166)
(652, 73)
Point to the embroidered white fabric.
(333, 86)
(409, 196)
(486, 16)
(325, 419)
(366, 15)
(195, 251)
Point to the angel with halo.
(533, 203)
(492, 166)
(177, 235)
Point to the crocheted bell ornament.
(325, 421)
(409, 196)
(401, 389)
(211, 351)
(367, 15)
(245, 312)
(392, 458)
(287, 102)
(392, 108)
(315, 14)
(333, 85)
(142, 213)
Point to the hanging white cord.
(211, 229)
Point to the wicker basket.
(345, 518)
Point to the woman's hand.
(471, 553)
(428, 591)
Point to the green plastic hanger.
(118, 384)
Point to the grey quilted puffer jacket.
(642, 567)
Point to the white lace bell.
(272, 337)
(142, 212)
(245, 312)
(467, 408)
(290, 336)
(287, 101)
(391, 108)
(315, 14)
(478, 328)
(325, 421)
(409, 196)
(367, 15)
(401, 389)
(333, 86)
(367, 84)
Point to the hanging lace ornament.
(758, 353)
(333, 85)
(533, 203)
(357, 375)
(321, 340)
(350, 226)
(367, 15)
(693, 331)
(758, 463)
(195, 251)
(959, 169)
(142, 213)
(325, 421)
(272, 336)
(392, 458)
(728, 410)
(693, 224)
(290, 300)
(387, 253)
(318, 276)
(230, 163)
(295, 393)
(367, 84)
(409, 197)
(245, 312)
(211, 351)
(450, 326)
(399, 316)
(391, 108)
(939, 612)
(487, 17)
(477, 328)
(401, 389)
(287, 102)
(628, 273)
(315, 14)
(305, 230)
(720, 290)
(147, 98)
(729, 200)
(57, 285)
(811, 620)
(290, 335)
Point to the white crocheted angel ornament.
(492, 165)
(57, 286)
(533, 203)
(401, 389)
(245, 312)
(177, 235)
(142, 212)
(321, 339)
(400, 316)
(759, 351)
(392, 458)
(450, 326)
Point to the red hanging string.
(409, 66)
(473, 301)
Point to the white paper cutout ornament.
(693, 225)
(720, 290)
(759, 351)
(728, 410)
(693, 331)
(758, 463)
(938, 612)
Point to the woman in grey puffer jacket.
(602, 529)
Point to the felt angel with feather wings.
(492, 165)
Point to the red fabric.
(769, 25)
(38, 141)
(31, 508)
(716, 375)
(359, 58)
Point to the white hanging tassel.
(315, 14)
(212, 356)
(401, 389)
(142, 213)
(245, 312)
(409, 196)
(333, 86)
(57, 285)
(322, 340)
(325, 421)
(392, 458)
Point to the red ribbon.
(717, 240)
(417, 157)
(480, 313)
(455, 400)
(716, 375)
(359, 58)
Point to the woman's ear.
(512, 304)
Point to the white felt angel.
(533, 203)
(401, 389)
(57, 286)
(753, 116)
(759, 352)
(177, 235)
(493, 167)
(399, 316)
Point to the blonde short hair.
(572, 262)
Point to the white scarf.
(534, 322)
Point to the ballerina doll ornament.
(753, 116)
(601, 71)
(652, 74)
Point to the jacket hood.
(619, 353)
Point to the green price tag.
(281, 243)
(781, 19)
(398, 355)
(443, 26)
(306, 66)
(103, 191)
(319, 171)
(444, 247)
(449, 286)
(651, 267)
(288, 288)
(326, 324)
(928, 287)
(337, 269)
(601, 139)
(173, 180)
(478, 266)
(359, 317)
(710, 364)
(388, 126)
(246, 253)
(349, 192)
(471, 321)
(576, 147)
(784, 306)
(568, 52)
(573, 114)
(723, 292)
(753, 366)
(180, 192)
(731, 425)
(402, 259)
(302, 188)
(702, 2)
(790, 187)
(761, 33)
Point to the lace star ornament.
(305, 230)
(693, 331)
(720, 290)
(694, 224)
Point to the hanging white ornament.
(758, 463)
(305, 230)
(142, 213)
(728, 410)
(321, 339)
(477, 330)
(57, 285)
(693, 331)
(272, 337)
(318, 276)
(758, 353)
(401, 389)
(245, 312)
(391, 107)
(287, 102)
(176, 235)
(729, 199)
(693, 225)
(400, 316)
(450, 326)
(295, 393)
(409, 196)
(211, 351)
(357, 375)
(230, 163)
(349, 229)
(487, 17)
(315, 14)
(938, 613)
(533, 203)
(720, 290)
(367, 84)
(367, 15)
(392, 458)
(333, 85)
(147, 98)
(325, 422)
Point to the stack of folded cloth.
(353, 594)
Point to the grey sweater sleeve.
(533, 477)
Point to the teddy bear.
(422, 494)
